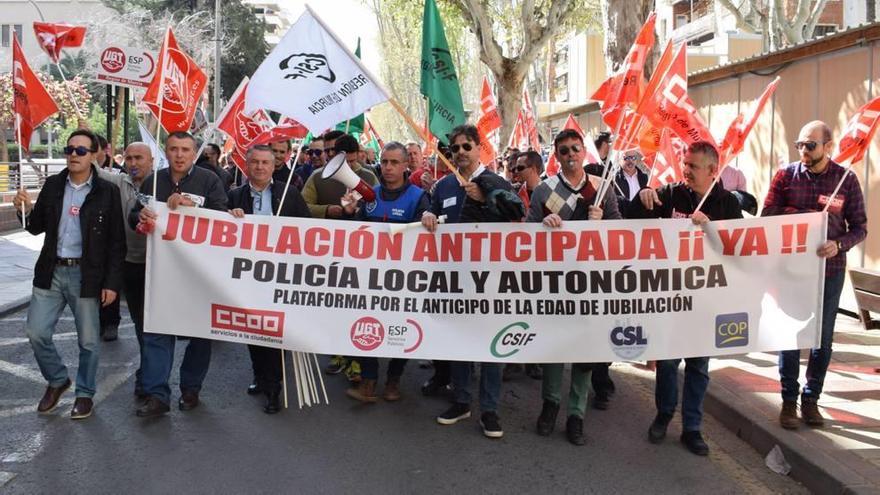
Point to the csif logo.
(305, 65)
(256, 321)
(628, 341)
(732, 330)
(510, 339)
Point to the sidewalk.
(842, 457)
(18, 254)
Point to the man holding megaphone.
(398, 201)
(323, 194)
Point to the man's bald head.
(138, 161)
(817, 131)
(815, 135)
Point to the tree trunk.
(510, 86)
(4, 149)
(622, 21)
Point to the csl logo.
(628, 342)
(510, 339)
(256, 321)
(732, 330)
(367, 333)
(113, 60)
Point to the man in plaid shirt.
(804, 186)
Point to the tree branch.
(559, 9)
(810, 29)
(741, 20)
(475, 14)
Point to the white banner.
(589, 292)
(126, 66)
(311, 77)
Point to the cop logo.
(732, 330)
(367, 333)
(510, 339)
(303, 65)
(628, 341)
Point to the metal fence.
(31, 175)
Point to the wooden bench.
(866, 285)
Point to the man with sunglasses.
(80, 265)
(311, 159)
(568, 195)
(323, 195)
(679, 200)
(486, 197)
(803, 186)
(262, 196)
(180, 184)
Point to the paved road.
(230, 446)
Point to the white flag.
(159, 159)
(311, 77)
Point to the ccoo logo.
(627, 341)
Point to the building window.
(680, 20)
(560, 88)
(823, 29)
(5, 30)
(561, 56)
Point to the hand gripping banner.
(592, 291)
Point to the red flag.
(490, 120)
(529, 122)
(32, 104)
(625, 88)
(665, 168)
(669, 106)
(553, 165)
(518, 137)
(739, 129)
(858, 132)
(286, 128)
(181, 83)
(53, 37)
(243, 130)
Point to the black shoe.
(110, 333)
(139, 393)
(574, 430)
(694, 442)
(601, 402)
(657, 431)
(454, 414)
(433, 387)
(273, 403)
(189, 400)
(491, 425)
(547, 419)
(254, 389)
(153, 407)
(534, 371)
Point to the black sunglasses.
(465, 146)
(79, 150)
(563, 150)
(519, 168)
(809, 145)
(316, 152)
(630, 158)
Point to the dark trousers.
(441, 372)
(109, 315)
(370, 367)
(266, 363)
(133, 278)
(601, 380)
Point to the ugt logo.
(367, 333)
(307, 64)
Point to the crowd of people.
(96, 221)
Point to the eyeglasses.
(316, 152)
(519, 168)
(79, 150)
(564, 150)
(809, 145)
(465, 146)
(630, 158)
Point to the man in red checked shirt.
(805, 186)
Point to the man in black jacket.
(261, 196)
(181, 184)
(680, 200)
(80, 264)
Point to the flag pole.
(714, 181)
(20, 167)
(70, 94)
(415, 127)
(427, 122)
(846, 172)
(161, 97)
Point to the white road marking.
(5, 477)
(27, 451)
(22, 372)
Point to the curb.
(816, 469)
(14, 305)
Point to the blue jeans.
(696, 381)
(817, 366)
(159, 358)
(45, 309)
(490, 384)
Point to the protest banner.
(588, 292)
(126, 66)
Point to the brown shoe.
(82, 408)
(51, 397)
(788, 417)
(189, 400)
(364, 392)
(810, 412)
(153, 407)
(392, 389)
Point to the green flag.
(439, 82)
(355, 125)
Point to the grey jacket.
(136, 244)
